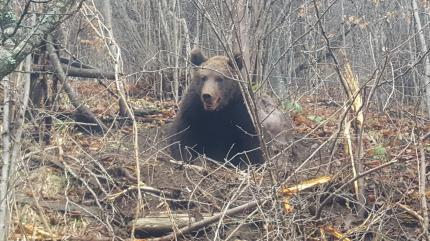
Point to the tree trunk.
(5, 169)
(107, 14)
(423, 51)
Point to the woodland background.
(90, 87)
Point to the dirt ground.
(83, 187)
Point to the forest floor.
(84, 187)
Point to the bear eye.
(219, 79)
(204, 78)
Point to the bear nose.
(207, 97)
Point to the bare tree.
(17, 42)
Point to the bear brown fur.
(213, 119)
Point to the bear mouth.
(212, 106)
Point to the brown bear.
(213, 119)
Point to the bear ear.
(238, 59)
(197, 57)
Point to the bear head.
(216, 78)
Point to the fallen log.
(207, 221)
(88, 73)
(78, 72)
(162, 223)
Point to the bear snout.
(210, 102)
(210, 95)
(207, 98)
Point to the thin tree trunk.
(421, 159)
(4, 179)
(107, 10)
(423, 51)
(17, 135)
(12, 141)
(422, 179)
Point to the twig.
(411, 212)
(425, 136)
(143, 188)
